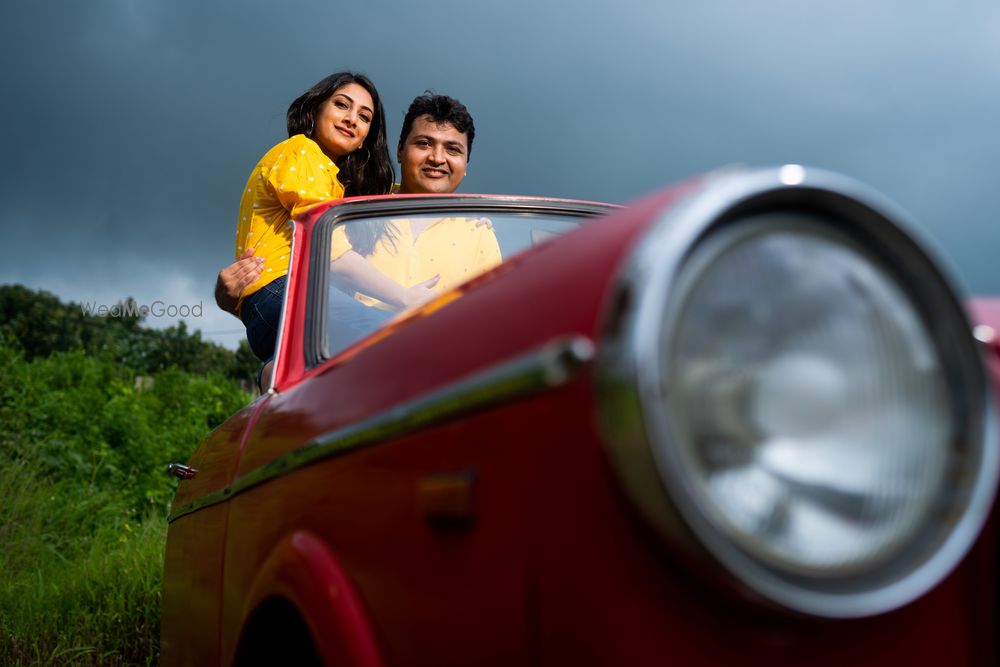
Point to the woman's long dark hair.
(367, 170)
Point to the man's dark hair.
(441, 109)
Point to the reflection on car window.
(383, 266)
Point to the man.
(433, 153)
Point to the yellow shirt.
(456, 249)
(291, 177)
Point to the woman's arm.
(353, 273)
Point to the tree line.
(39, 324)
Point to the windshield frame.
(315, 334)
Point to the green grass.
(83, 501)
(75, 590)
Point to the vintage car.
(743, 421)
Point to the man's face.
(433, 158)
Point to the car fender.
(303, 571)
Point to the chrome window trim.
(550, 366)
(314, 345)
(629, 376)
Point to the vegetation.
(41, 325)
(83, 494)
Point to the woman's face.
(343, 121)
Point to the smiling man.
(434, 145)
(409, 260)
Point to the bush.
(83, 500)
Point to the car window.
(381, 267)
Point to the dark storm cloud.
(130, 125)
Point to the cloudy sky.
(129, 126)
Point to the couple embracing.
(337, 148)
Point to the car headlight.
(789, 376)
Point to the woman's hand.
(417, 294)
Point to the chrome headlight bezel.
(642, 315)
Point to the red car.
(743, 421)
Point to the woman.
(336, 148)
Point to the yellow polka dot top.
(291, 177)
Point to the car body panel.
(302, 570)
(496, 532)
(191, 603)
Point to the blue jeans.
(261, 312)
(348, 321)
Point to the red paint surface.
(556, 568)
(301, 569)
(194, 552)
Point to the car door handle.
(181, 471)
